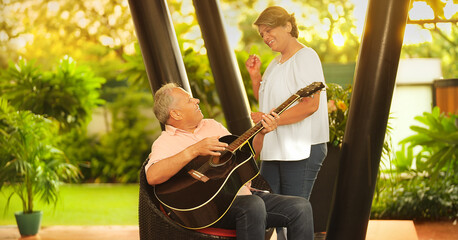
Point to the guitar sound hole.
(217, 161)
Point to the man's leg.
(294, 213)
(248, 216)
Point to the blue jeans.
(250, 215)
(295, 178)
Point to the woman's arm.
(253, 66)
(306, 107)
(270, 123)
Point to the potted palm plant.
(31, 166)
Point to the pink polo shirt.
(174, 140)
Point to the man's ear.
(175, 115)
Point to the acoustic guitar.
(202, 191)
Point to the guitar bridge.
(198, 176)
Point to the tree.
(98, 32)
(443, 45)
(67, 94)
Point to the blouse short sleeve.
(306, 69)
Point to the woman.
(293, 153)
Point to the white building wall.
(412, 95)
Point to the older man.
(188, 135)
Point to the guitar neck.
(245, 137)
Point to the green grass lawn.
(82, 204)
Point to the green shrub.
(417, 198)
(67, 94)
(422, 180)
(128, 142)
(438, 143)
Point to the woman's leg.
(313, 165)
(270, 170)
(297, 177)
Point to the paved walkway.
(377, 230)
(74, 233)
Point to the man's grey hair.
(163, 101)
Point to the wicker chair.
(154, 224)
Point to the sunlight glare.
(200, 43)
(3, 36)
(333, 11)
(338, 39)
(187, 45)
(129, 49)
(233, 35)
(93, 29)
(421, 11)
(77, 33)
(106, 40)
(187, 8)
(112, 19)
(97, 6)
(53, 7)
(21, 41)
(230, 22)
(450, 9)
(117, 42)
(360, 15)
(415, 34)
(445, 27)
(81, 20)
(307, 35)
(64, 15)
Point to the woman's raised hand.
(253, 65)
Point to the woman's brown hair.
(277, 16)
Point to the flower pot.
(28, 223)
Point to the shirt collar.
(173, 130)
(170, 129)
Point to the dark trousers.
(250, 215)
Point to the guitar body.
(196, 204)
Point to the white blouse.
(279, 82)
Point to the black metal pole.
(224, 66)
(158, 43)
(366, 125)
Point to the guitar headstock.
(310, 89)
